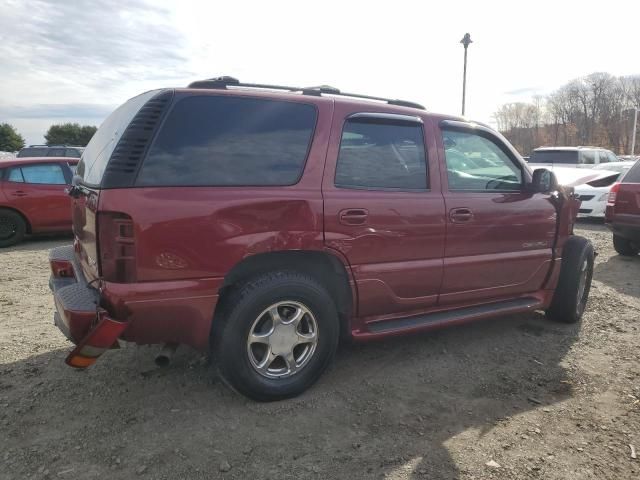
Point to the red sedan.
(33, 197)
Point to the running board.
(458, 315)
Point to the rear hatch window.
(97, 153)
(230, 141)
(33, 152)
(566, 157)
(633, 175)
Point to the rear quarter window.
(230, 141)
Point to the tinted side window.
(49, 174)
(226, 141)
(376, 153)
(588, 157)
(475, 163)
(633, 175)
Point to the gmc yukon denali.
(265, 223)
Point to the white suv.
(576, 157)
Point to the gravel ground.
(511, 398)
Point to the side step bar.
(455, 316)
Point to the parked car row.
(594, 194)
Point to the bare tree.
(588, 110)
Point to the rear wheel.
(570, 298)
(277, 336)
(12, 228)
(625, 247)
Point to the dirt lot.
(541, 400)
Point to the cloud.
(76, 60)
(97, 41)
(53, 111)
(524, 91)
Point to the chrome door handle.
(460, 215)
(353, 216)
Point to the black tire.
(568, 303)
(243, 309)
(12, 228)
(625, 247)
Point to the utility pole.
(633, 132)
(466, 40)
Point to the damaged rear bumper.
(78, 313)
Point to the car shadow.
(621, 273)
(40, 242)
(591, 224)
(385, 407)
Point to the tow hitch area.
(99, 340)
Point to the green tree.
(10, 139)
(70, 134)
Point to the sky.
(76, 60)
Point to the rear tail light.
(116, 244)
(613, 193)
(62, 269)
(99, 340)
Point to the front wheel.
(625, 247)
(278, 334)
(576, 271)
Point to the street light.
(633, 132)
(466, 40)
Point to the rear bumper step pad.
(76, 302)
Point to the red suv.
(263, 223)
(33, 197)
(623, 212)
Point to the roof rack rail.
(54, 145)
(226, 81)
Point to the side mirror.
(543, 181)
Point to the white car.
(594, 193)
